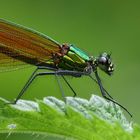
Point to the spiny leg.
(34, 75)
(28, 83)
(102, 87)
(69, 86)
(104, 94)
(25, 87)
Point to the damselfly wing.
(20, 46)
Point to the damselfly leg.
(55, 72)
(105, 95)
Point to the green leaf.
(77, 119)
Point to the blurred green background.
(94, 26)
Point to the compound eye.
(102, 60)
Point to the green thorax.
(75, 59)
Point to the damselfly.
(20, 46)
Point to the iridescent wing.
(20, 46)
(9, 64)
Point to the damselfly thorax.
(71, 58)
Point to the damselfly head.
(104, 62)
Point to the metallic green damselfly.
(20, 46)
